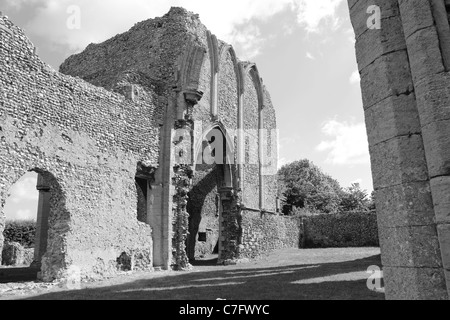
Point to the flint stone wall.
(90, 141)
(110, 111)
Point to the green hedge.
(341, 230)
(22, 232)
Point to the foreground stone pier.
(403, 53)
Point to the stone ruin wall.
(161, 54)
(92, 135)
(405, 84)
(89, 141)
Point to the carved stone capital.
(193, 97)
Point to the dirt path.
(284, 275)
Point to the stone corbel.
(187, 99)
(193, 97)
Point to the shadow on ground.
(326, 281)
(18, 275)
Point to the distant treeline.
(22, 232)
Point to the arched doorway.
(36, 196)
(213, 173)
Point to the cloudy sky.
(304, 50)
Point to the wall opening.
(21, 208)
(204, 205)
(38, 199)
(142, 199)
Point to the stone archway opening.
(212, 175)
(20, 211)
(142, 188)
(33, 208)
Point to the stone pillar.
(427, 34)
(241, 126)
(154, 219)
(409, 243)
(182, 180)
(230, 226)
(161, 194)
(40, 243)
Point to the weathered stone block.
(359, 15)
(399, 160)
(433, 98)
(416, 15)
(415, 283)
(372, 44)
(436, 139)
(392, 117)
(444, 241)
(440, 187)
(408, 204)
(410, 247)
(447, 279)
(28, 257)
(13, 254)
(388, 76)
(424, 54)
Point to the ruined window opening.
(202, 237)
(49, 212)
(142, 198)
(21, 209)
(124, 262)
(204, 205)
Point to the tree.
(304, 185)
(355, 199)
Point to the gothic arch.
(252, 70)
(230, 177)
(52, 221)
(213, 46)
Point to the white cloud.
(310, 56)
(25, 189)
(230, 20)
(312, 13)
(348, 144)
(247, 41)
(25, 215)
(23, 200)
(17, 4)
(355, 78)
(351, 35)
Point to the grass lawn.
(291, 274)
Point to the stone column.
(230, 226)
(161, 195)
(40, 243)
(182, 179)
(427, 34)
(409, 244)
